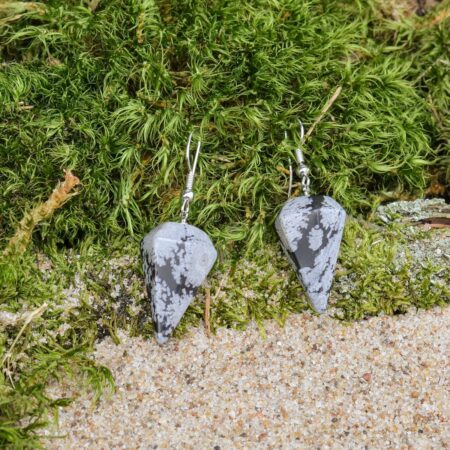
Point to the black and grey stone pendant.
(177, 258)
(310, 229)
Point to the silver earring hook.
(188, 153)
(188, 193)
(302, 169)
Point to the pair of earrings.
(177, 257)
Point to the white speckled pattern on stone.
(310, 230)
(177, 257)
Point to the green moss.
(48, 348)
(378, 276)
(113, 93)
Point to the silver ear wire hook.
(302, 169)
(188, 193)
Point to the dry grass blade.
(12, 11)
(325, 109)
(29, 318)
(62, 193)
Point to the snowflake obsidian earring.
(310, 228)
(177, 258)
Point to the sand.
(316, 383)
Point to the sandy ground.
(316, 383)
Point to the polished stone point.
(177, 258)
(310, 229)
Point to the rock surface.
(177, 257)
(310, 229)
(413, 211)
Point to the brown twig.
(324, 111)
(63, 192)
(207, 317)
(435, 222)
